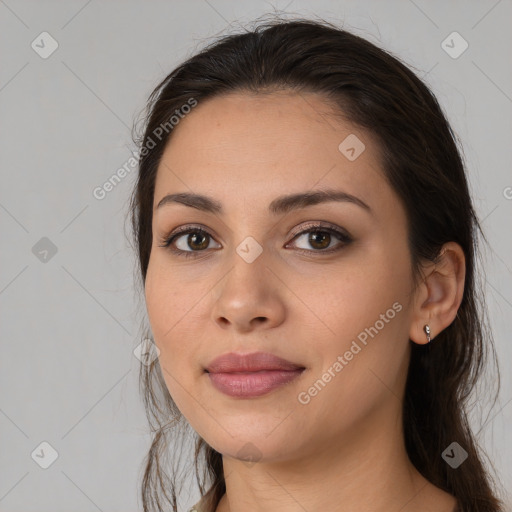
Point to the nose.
(250, 296)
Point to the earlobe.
(439, 295)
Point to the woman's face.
(264, 280)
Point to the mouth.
(252, 384)
(254, 362)
(251, 375)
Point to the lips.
(251, 375)
(255, 362)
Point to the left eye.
(318, 236)
(321, 238)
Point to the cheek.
(363, 360)
(166, 305)
(366, 310)
(168, 309)
(174, 302)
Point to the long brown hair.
(423, 164)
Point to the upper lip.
(256, 361)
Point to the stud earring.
(426, 328)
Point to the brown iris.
(316, 236)
(195, 237)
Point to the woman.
(307, 244)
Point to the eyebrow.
(280, 205)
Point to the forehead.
(267, 144)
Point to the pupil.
(195, 236)
(315, 235)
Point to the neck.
(368, 469)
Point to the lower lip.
(250, 384)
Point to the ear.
(439, 294)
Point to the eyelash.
(167, 241)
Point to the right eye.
(196, 241)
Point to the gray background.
(70, 320)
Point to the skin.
(344, 450)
